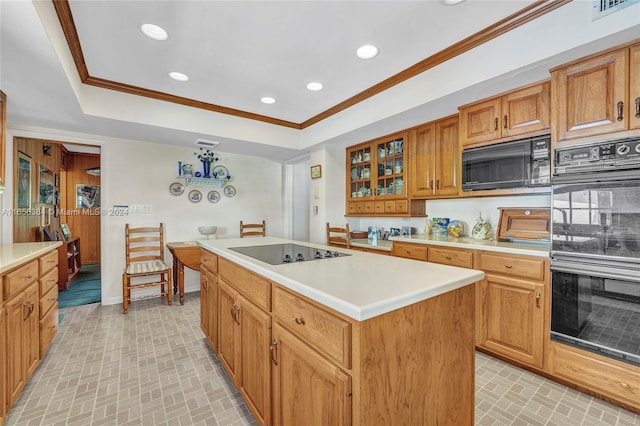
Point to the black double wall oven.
(595, 248)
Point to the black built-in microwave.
(518, 164)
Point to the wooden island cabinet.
(296, 360)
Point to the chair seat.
(146, 267)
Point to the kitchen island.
(359, 339)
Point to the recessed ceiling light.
(154, 32)
(267, 100)
(178, 76)
(314, 86)
(367, 51)
(452, 2)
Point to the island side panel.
(417, 364)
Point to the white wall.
(135, 172)
(327, 192)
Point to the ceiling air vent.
(205, 143)
(605, 7)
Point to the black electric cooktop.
(277, 254)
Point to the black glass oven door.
(599, 218)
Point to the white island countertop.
(12, 255)
(361, 286)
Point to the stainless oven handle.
(597, 271)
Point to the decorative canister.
(187, 169)
(427, 227)
(481, 229)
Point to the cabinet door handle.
(234, 313)
(437, 183)
(508, 266)
(638, 107)
(448, 257)
(430, 184)
(300, 321)
(28, 309)
(620, 107)
(537, 299)
(495, 126)
(204, 283)
(273, 348)
(505, 121)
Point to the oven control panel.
(602, 156)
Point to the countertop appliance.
(518, 164)
(595, 248)
(278, 254)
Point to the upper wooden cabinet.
(3, 123)
(514, 113)
(597, 95)
(434, 160)
(376, 181)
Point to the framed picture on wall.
(23, 181)
(87, 196)
(45, 186)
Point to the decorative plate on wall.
(195, 196)
(176, 188)
(229, 191)
(213, 196)
(220, 172)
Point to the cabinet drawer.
(48, 300)
(209, 261)
(48, 262)
(410, 251)
(50, 279)
(461, 258)
(18, 280)
(48, 329)
(351, 207)
(324, 331)
(252, 286)
(402, 206)
(517, 266)
(593, 372)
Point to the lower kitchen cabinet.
(511, 306)
(3, 364)
(209, 306)
(244, 336)
(23, 343)
(308, 389)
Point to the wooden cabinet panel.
(3, 365)
(327, 333)
(209, 261)
(526, 110)
(48, 300)
(513, 265)
(603, 375)
(209, 306)
(252, 286)
(308, 389)
(519, 112)
(228, 330)
(16, 281)
(447, 157)
(450, 256)
(587, 93)
(514, 318)
(421, 152)
(255, 378)
(634, 89)
(3, 150)
(49, 280)
(49, 326)
(410, 251)
(48, 262)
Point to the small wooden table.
(184, 254)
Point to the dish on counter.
(455, 229)
(441, 224)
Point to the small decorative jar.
(427, 227)
(187, 170)
(481, 229)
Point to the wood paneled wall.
(83, 223)
(70, 167)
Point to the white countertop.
(361, 286)
(531, 249)
(382, 245)
(12, 255)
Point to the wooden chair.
(338, 236)
(253, 229)
(144, 258)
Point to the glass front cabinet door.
(390, 171)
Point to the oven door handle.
(596, 271)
